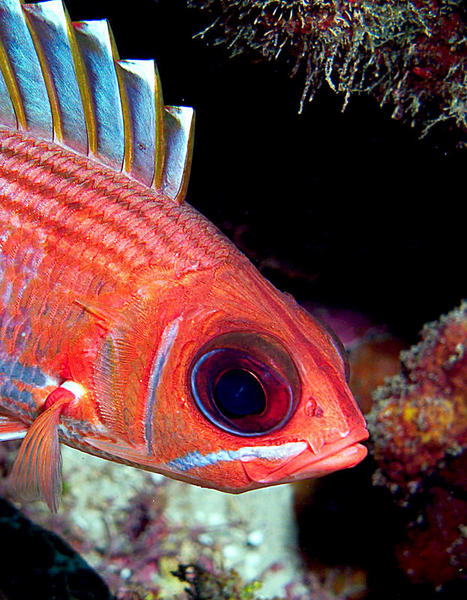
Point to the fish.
(131, 328)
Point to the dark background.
(346, 209)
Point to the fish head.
(255, 391)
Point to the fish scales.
(90, 231)
(130, 327)
(77, 198)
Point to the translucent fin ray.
(37, 470)
(63, 81)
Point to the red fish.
(130, 327)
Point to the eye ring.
(244, 389)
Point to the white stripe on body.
(193, 460)
(168, 338)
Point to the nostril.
(312, 408)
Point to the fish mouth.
(344, 453)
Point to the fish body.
(130, 327)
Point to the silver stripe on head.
(193, 460)
(160, 360)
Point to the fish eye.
(245, 384)
(238, 393)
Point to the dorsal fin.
(51, 30)
(64, 81)
(22, 71)
(141, 82)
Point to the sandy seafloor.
(254, 533)
(134, 527)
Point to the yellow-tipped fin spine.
(145, 160)
(179, 126)
(51, 29)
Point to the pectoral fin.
(37, 470)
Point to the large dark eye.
(245, 383)
(239, 393)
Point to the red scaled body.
(95, 267)
(130, 327)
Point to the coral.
(420, 416)
(411, 55)
(435, 546)
(400, 515)
(418, 428)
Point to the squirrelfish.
(130, 327)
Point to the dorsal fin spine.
(161, 142)
(51, 91)
(12, 87)
(84, 87)
(128, 139)
(129, 142)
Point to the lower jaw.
(343, 459)
(343, 454)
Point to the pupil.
(238, 393)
